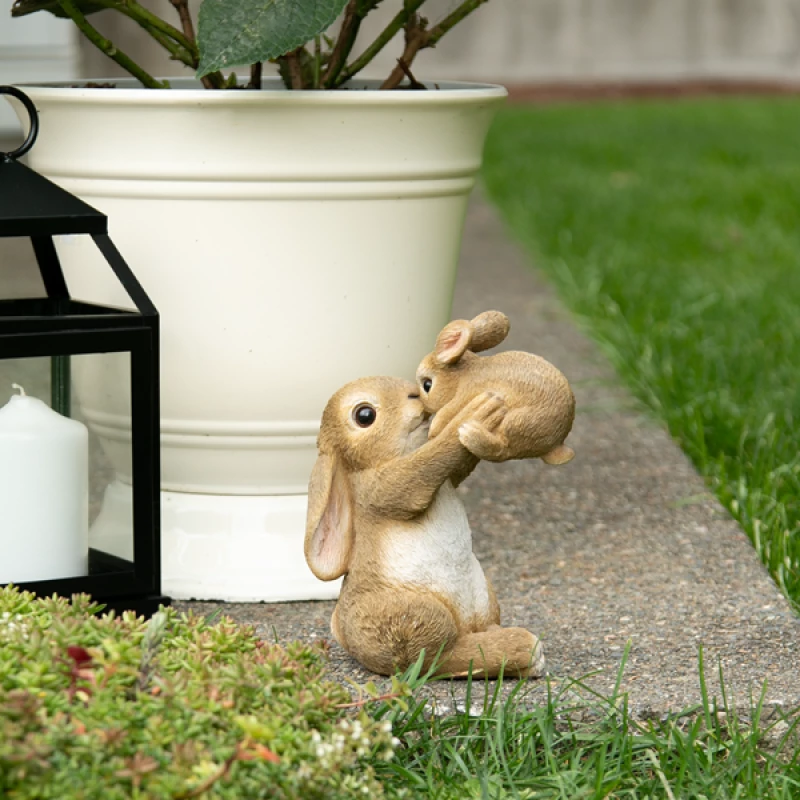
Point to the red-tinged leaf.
(266, 754)
(79, 655)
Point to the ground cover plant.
(670, 228)
(113, 707)
(183, 707)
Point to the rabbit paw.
(481, 442)
(487, 410)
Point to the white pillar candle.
(44, 493)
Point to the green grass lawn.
(580, 745)
(673, 230)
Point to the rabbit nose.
(414, 396)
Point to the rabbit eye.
(364, 415)
(426, 385)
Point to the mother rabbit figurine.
(384, 512)
(541, 406)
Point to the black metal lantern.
(65, 337)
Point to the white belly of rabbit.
(436, 553)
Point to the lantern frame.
(57, 326)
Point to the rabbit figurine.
(539, 401)
(384, 512)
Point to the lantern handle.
(32, 115)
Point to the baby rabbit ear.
(453, 341)
(329, 526)
(488, 330)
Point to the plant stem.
(221, 772)
(417, 38)
(437, 31)
(213, 80)
(415, 84)
(108, 48)
(386, 35)
(175, 48)
(147, 18)
(256, 71)
(317, 61)
(181, 46)
(295, 70)
(182, 7)
(154, 26)
(344, 43)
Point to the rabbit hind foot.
(515, 652)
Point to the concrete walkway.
(624, 544)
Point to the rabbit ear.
(329, 526)
(488, 330)
(453, 341)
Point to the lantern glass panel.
(19, 272)
(108, 508)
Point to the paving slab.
(622, 545)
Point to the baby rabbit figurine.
(383, 512)
(540, 403)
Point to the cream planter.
(292, 241)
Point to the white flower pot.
(292, 241)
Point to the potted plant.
(292, 240)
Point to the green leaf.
(234, 32)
